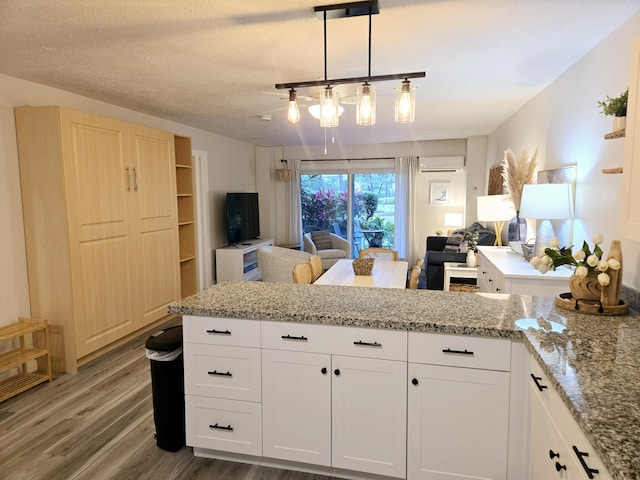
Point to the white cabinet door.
(296, 406)
(457, 423)
(369, 405)
(550, 458)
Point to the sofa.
(441, 249)
(329, 246)
(276, 263)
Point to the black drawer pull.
(219, 332)
(302, 338)
(536, 380)
(367, 344)
(590, 471)
(220, 427)
(458, 352)
(222, 374)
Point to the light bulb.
(366, 105)
(329, 116)
(293, 114)
(405, 104)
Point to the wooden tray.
(567, 302)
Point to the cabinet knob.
(414, 381)
(337, 372)
(553, 454)
(560, 467)
(324, 370)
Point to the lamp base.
(543, 236)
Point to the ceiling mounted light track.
(366, 103)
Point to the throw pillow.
(454, 241)
(485, 236)
(321, 240)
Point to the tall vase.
(517, 229)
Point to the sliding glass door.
(358, 206)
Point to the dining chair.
(380, 253)
(413, 279)
(302, 273)
(420, 262)
(316, 266)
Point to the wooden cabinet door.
(296, 406)
(95, 160)
(153, 182)
(457, 423)
(369, 407)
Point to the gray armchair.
(330, 247)
(276, 263)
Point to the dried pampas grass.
(517, 172)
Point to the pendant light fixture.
(366, 93)
(293, 113)
(405, 103)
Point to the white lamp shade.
(495, 208)
(548, 201)
(452, 219)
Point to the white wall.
(232, 167)
(565, 123)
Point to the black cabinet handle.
(559, 467)
(324, 370)
(414, 381)
(337, 372)
(219, 332)
(222, 374)
(220, 427)
(553, 454)
(457, 352)
(536, 380)
(590, 471)
(301, 338)
(367, 344)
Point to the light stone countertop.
(593, 361)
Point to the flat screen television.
(243, 219)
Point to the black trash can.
(164, 350)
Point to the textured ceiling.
(212, 64)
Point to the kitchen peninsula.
(591, 362)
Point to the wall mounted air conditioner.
(441, 164)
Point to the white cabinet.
(629, 212)
(347, 386)
(458, 407)
(501, 271)
(222, 372)
(239, 261)
(559, 449)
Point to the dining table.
(385, 274)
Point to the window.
(357, 205)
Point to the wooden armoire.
(101, 227)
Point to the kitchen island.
(592, 362)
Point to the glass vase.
(517, 229)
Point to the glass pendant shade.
(405, 103)
(293, 114)
(329, 111)
(366, 105)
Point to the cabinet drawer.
(460, 351)
(227, 425)
(222, 372)
(350, 341)
(221, 331)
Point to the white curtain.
(406, 169)
(294, 234)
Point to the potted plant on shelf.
(617, 108)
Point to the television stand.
(240, 261)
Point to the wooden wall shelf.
(611, 171)
(616, 134)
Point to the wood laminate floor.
(98, 424)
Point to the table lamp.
(548, 201)
(497, 209)
(452, 220)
